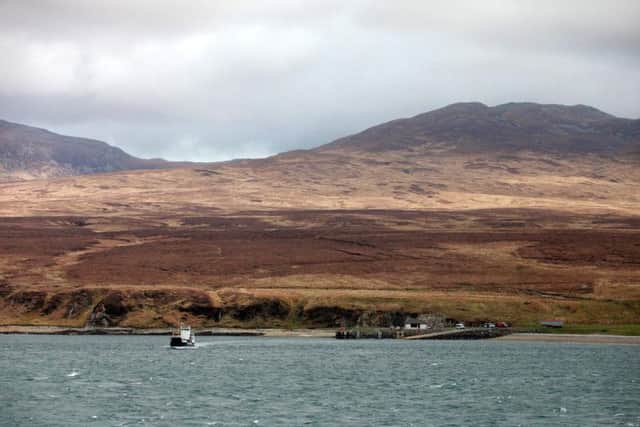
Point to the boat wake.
(190, 347)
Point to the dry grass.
(333, 180)
(474, 238)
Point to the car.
(459, 325)
(490, 325)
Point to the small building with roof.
(414, 323)
(552, 323)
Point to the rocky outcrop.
(100, 318)
(331, 316)
(5, 288)
(160, 308)
(263, 308)
(200, 305)
(69, 305)
(28, 300)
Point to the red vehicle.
(501, 325)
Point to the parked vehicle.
(501, 325)
(459, 325)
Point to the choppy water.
(118, 381)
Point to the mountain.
(27, 152)
(463, 156)
(517, 213)
(458, 129)
(476, 128)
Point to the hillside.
(27, 153)
(477, 128)
(452, 211)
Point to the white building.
(414, 323)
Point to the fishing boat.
(182, 338)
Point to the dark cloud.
(206, 80)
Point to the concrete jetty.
(462, 334)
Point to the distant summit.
(27, 153)
(462, 128)
(475, 127)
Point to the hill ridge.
(28, 152)
(474, 126)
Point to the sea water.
(127, 381)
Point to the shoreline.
(298, 333)
(573, 338)
(236, 332)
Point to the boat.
(183, 337)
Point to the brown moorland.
(418, 221)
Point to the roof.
(552, 322)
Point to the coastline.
(267, 332)
(573, 338)
(300, 333)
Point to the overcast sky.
(207, 80)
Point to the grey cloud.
(205, 80)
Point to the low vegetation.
(516, 213)
(294, 269)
